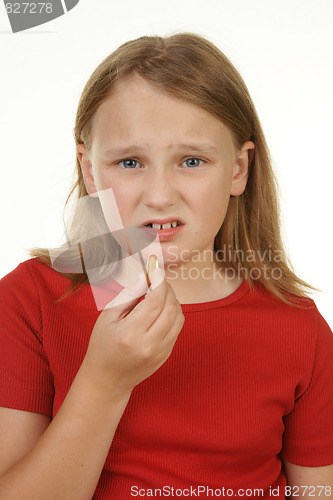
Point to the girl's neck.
(195, 284)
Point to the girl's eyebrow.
(195, 148)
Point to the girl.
(218, 382)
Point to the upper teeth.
(168, 225)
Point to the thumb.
(130, 296)
(156, 278)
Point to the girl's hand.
(132, 340)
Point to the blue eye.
(128, 163)
(193, 162)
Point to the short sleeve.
(308, 436)
(26, 382)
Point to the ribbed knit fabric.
(249, 383)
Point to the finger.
(172, 333)
(157, 315)
(171, 313)
(146, 312)
(156, 278)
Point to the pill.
(152, 264)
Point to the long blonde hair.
(189, 67)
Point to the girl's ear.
(87, 171)
(241, 168)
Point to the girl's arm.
(68, 458)
(309, 482)
(19, 432)
(127, 345)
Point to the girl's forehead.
(137, 107)
(137, 94)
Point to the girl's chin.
(175, 255)
(172, 256)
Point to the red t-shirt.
(249, 382)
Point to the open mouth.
(167, 225)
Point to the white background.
(284, 51)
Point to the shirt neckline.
(243, 288)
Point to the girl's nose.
(160, 189)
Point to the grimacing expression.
(164, 158)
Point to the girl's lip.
(163, 234)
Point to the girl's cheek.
(105, 180)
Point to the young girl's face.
(164, 159)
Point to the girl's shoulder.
(298, 321)
(31, 276)
(34, 283)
